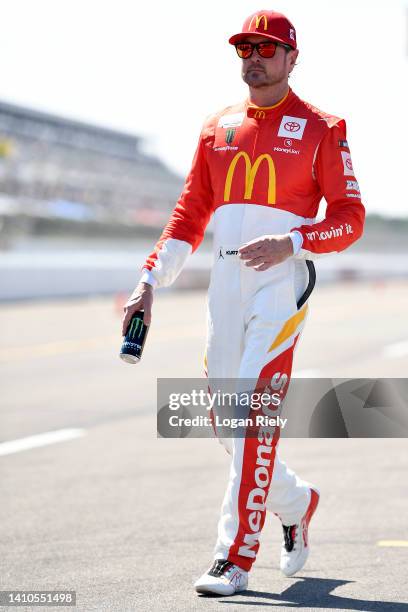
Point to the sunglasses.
(264, 49)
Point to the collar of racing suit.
(261, 112)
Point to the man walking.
(261, 168)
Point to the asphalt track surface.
(128, 521)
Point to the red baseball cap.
(268, 24)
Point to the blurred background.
(101, 105)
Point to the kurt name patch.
(231, 121)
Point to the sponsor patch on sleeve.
(353, 185)
(347, 164)
(343, 144)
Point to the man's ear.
(293, 57)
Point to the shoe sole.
(210, 591)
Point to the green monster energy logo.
(229, 136)
(136, 327)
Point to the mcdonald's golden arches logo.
(260, 114)
(250, 174)
(258, 19)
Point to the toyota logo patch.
(292, 126)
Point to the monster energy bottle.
(133, 342)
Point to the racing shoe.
(295, 546)
(223, 578)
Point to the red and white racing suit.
(260, 170)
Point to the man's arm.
(186, 226)
(181, 236)
(345, 213)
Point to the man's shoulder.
(316, 115)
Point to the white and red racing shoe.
(295, 546)
(223, 578)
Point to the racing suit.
(260, 170)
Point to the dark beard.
(257, 80)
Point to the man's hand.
(141, 299)
(266, 251)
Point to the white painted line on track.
(43, 439)
(393, 543)
(395, 350)
(307, 373)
